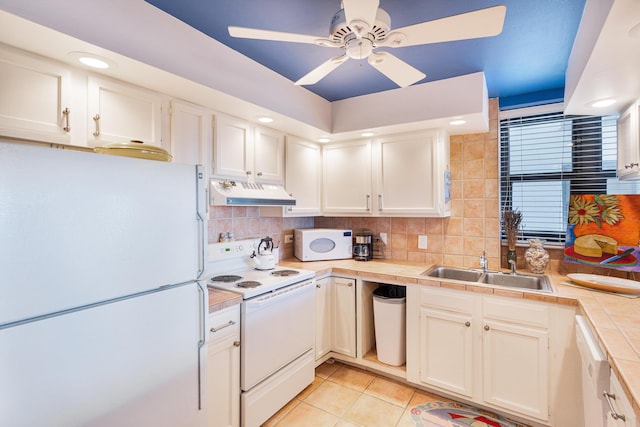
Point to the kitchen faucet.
(484, 262)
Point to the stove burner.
(284, 273)
(226, 278)
(249, 284)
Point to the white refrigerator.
(102, 321)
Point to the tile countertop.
(615, 319)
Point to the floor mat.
(449, 414)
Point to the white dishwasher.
(595, 375)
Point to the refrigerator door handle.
(201, 342)
(201, 211)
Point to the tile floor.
(343, 396)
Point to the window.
(546, 157)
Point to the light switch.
(422, 242)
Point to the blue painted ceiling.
(525, 63)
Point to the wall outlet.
(422, 242)
(383, 237)
(288, 238)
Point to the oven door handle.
(279, 295)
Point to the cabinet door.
(233, 139)
(268, 156)
(344, 316)
(621, 404)
(628, 142)
(411, 175)
(120, 112)
(190, 133)
(35, 96)
(324, 317)
(303, 176)
(446, 350)
(223, 369)
(515, 368)
(346, 174)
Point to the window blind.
(544, 158)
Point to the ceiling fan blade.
(360, 15)
(253, 33)
(478, 23)
(315, 75)
(395, 69)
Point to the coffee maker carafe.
(363, 248)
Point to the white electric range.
(230, 268)
(276, 327)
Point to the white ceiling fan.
(361, 26)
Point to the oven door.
(276, 328)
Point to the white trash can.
(389, 315)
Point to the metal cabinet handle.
(630, 165)
(368, 202)
(259, 173)
(379, 202)
(318, 286)
(486, 327)
(96, 120)
(467, 323)
(66, 113)
(248, 172)
(226, 325)
(236, 343)
(614, 414)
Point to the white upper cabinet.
(244, 152)
(303, 178)
(346, 178)
(629, 143)
(412, 176)
(191, 133)
(268, 155)
(35, 98)
(398, 175)
(118, 112)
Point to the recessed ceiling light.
(323, 139)
(457, 122)
(265, 119)
(367, 134)
(91, 60)
(601, 103)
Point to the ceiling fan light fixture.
(358, 48)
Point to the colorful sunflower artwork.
(604, 231)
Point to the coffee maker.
(363, 247)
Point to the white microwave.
(318, 244)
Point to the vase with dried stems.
(511, 219)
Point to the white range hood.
(233, 193)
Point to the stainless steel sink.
(453, 274)
(523, 281)
(520, 281)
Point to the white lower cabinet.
(620, 413)
(487, 349)
(335, 316)
(223, 368)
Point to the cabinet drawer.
(447, 299)
(513, 310)
(224, 323)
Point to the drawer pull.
(467, 323)
(236, 343)
(226, 325)
(614, 414)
